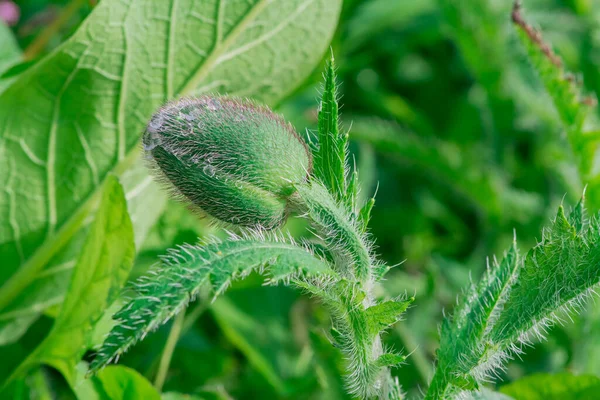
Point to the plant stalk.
(165, 360)
(437, 387)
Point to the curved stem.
(350, 249)
(165, 360)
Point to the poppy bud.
(234, 160)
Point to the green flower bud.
(234, 160)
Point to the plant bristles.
(518, 300)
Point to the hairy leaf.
(463, 336)
(101, 270)
(182, 274)
(517, 300)
(572, 105)
(330, 158)
(556, 274)
(381, 316)
(76, 115)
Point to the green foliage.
(518, 300)
(182, 274)
(358, 318)
(330, 158)
(49, 111)
(116, 383)
(101, 270)
(444, 117)
(554, 387)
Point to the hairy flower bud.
(234, 160)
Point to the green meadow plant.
(245, 167)
(84, 187)
(248, 170)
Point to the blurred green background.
(451, 127)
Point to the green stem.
(332, 223)
(350, 250)
(438, 386)
(165, 360)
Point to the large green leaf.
(102, 269)
(554, 387)
(77, 115)
(115, 383)
(144, 200)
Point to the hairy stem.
(350, 249)
(438, 386)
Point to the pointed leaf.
(76, 115)
(390, 360)
(383, 315)
(330, 159)
(171, 285)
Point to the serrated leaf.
(183, 273)
(462, 337)
(330, 158)
(556, 274)
(381, 316)
(389, 360)
(517, 300)
(554, 387)
(75, 116)
(102, 268)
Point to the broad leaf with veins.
(78, 114)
